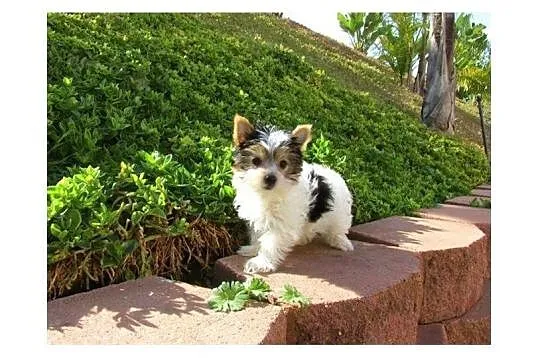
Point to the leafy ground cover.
(139, 122)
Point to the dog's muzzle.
(269, 181)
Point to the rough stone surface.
(433, 333)
(481, 192)
(477, 216)
(474, 327)
(370, 295)
(454, 260)
(154, 310)
(484, 186)
(464, 200)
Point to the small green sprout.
(292, 296)
(257, 288)
(229, 296)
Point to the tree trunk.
(438, 108)
(420, 80)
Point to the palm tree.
(399, 45)
(363, 28)
(472, 59)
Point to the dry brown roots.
(169, 256)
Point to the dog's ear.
(242, 130)
(302, 133)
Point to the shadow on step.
(129, 307)
(401, 231)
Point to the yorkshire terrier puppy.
(285, 200)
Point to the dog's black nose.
(269, 181)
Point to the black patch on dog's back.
(323, 197)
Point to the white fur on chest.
(265, 211)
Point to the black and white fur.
(286, 201)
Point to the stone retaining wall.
(410, 280)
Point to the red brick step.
(432, 333)
(453, 255)
(474, 327)
(481, 192)
(370, 295)
(480, 217)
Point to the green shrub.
(139, 125)
(481, 203)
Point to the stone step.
(474, 327)
(482, 192)
(480, 217)
(155, 310)
(431, 333)
(484, 186)
(370, 295)
(465, 200)
(453, 255)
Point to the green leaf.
(136, 217)
(108, 261)
(129, 246)
(179, 227)
(228, 190)
(257, 288)
(293, 296)
(74, 219)
(57, 231)
(229, 296)
(156, 212)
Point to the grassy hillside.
(139, 121)
(349, 67)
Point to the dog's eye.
(256, 161)
(283, 164)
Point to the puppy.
(286, 201)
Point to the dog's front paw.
(258, 264)
(248, 250)
(346, 245)
(342, 243)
